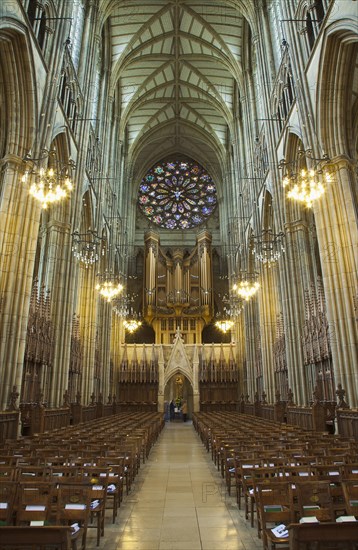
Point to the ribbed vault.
(176, 66)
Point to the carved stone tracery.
(316, 339)
(39, 344)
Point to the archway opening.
(179, 389)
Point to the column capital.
(13, 160)
(342, 162)
(296, 225)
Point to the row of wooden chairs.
(250, 452)
(78, 504)
(284, 503)
(70, 477)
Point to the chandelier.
(306, 185)
(108, 286)
(231, 311)
(49, 178)
(132, 324)
(85, 247)
(268, 247)
(224, 325)
(131, 320)
(247, 286)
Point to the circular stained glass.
(177, 195)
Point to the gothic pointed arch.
(178, 362)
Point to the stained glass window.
(177, 195)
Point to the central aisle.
(179, 502)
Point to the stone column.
(19, 222)
(268, 300)
(58, 277)
(294, 278)
(88, 303)
(336, 220)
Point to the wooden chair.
(333, 474)
(34, 501)
(323, 536)
(242, 466)
(350, 492)
(298, 473)
(8, 491)
(98, 478)
(116, 482)
(73, 508)
(350, 471)
(252, 477)
(33, 473)
(8, 473)
(273, 509)
(35, 538)
(128, 466)
(314, 498)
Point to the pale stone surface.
(178, 502)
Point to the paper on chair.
(75, 507)
(94, 504)
(342, 519)
(309, 519)
(3, 505)
(33, 508)
(280, 531)
(37, 523)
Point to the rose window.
(177, 195)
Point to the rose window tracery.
(177, 195)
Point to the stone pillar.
(88, 301)
(105, 345)
(268, 301)
(19, 222)
(58, 277)
(294, 278)
(336, 220)
(251, 334)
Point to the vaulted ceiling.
(176, 66)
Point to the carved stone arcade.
(315, 341)
(39, 347)
(76, 357)
(280, 359)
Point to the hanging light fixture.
(108, 286)
(305, 185)
(268, 247)
(49, 178)
(231, 311)
(131, 319)
(132, 324)
(224, 325)
(247, 285)
(85, 247)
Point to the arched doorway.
(179, 388)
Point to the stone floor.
(178, 502)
